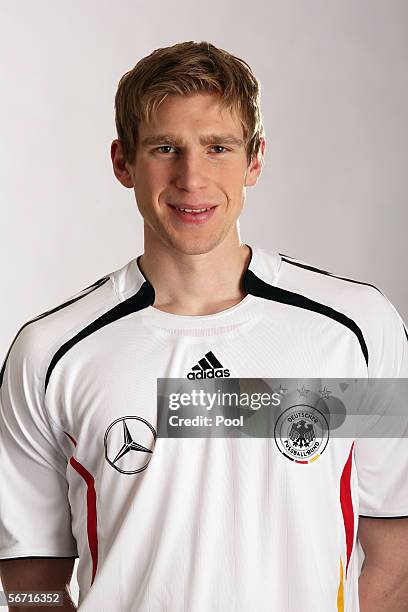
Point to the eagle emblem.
(301, 434)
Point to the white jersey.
(194, 524)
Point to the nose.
(190, 173)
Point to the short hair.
(187, 68)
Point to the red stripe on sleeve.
(91, 512)
(347, 505)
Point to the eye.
(160, 149)
(219, 147)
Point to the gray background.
(334, 96)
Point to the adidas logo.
(208, 367)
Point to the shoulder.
(315, 283)
(362, 302)
(322, 283)
(38, 338)
(360, 298)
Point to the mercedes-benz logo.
(122, 451)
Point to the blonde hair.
(187, 68)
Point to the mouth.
(193, 214)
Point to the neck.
(197, 284)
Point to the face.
(190, 155)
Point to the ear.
(120, 165)
(255, 167)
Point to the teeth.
(190, 210)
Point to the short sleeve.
(35, 518)
(382, 461)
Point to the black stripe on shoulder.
(288, 260)
(386, 518)
(142, 299)
(97, 283)
(92, 287)
(350, 280)
(260, 288)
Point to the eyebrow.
(168, 139)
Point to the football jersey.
(206, 524)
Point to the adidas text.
(208, 374)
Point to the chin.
(195, 246)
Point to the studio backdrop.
(334, 97)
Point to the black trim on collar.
(147, 282)
(152, 288)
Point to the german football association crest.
(302, 433)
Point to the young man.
(204, 524)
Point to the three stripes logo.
(208, 367)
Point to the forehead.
(198, 111)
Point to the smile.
(193, 215)
(192, 210)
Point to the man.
(201, 524)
